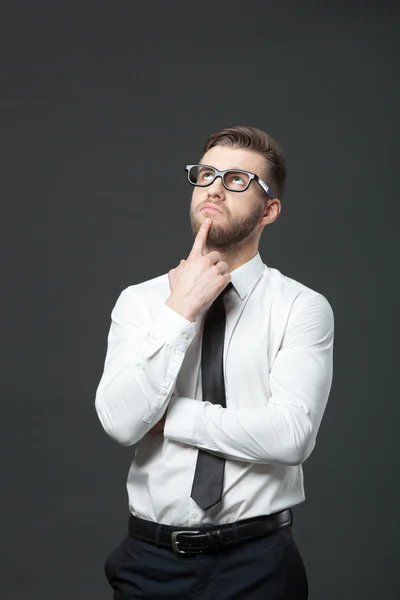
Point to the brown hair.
(259, 141)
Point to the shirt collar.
(246, 276)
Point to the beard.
(232, 232)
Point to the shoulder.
(294, 295)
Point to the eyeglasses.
(233, 180)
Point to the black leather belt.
(191, 540)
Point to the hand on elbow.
(158, 428)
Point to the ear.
(271, 212)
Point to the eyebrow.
(230, 168)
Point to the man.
(218, 373)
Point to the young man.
(219, 373)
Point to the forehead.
(223, 158)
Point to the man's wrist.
(177, 306)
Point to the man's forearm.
(140, 371)
(270, 435)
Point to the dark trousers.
(269, 568)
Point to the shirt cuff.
(173, 329)
(181, 418)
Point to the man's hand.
(197, 281)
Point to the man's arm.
(285, 430)
(142, 363)
(143, 358)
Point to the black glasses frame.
(217, 173)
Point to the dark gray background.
(104, 103)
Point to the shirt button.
(185, 336)
(195, 515)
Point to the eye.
(236, 180)
(205, 175)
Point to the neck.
(235, 257)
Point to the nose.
(216, 189)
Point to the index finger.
(201, 237)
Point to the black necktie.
(209, 474)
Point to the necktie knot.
(225, 290)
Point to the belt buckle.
(175, 543)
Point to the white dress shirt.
(278, 357)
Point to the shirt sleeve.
(285, 430)
(143, 359)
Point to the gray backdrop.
(103, 105)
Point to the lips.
(210, 208)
